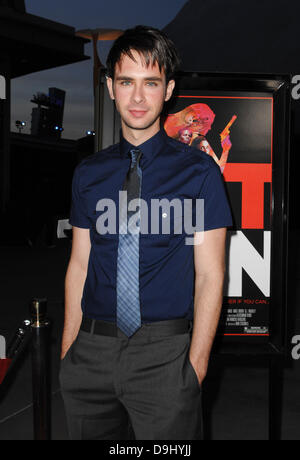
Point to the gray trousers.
(142, 388)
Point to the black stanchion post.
(40, 369)
(15, 350)
(276, 366)
(17, 341)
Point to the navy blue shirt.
(170, 169)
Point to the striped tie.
(128, 301)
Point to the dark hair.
(198, 140)
(151, 43)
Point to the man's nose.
(138, 94)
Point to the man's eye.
(152, 83)
(125, 83)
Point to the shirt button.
(164, 214)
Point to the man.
(131, 365)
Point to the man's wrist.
(65, 348)
(200, 364)
(63, 352)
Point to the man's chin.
(139, 126)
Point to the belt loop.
(92, 326)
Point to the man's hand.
(64, 352)
(200, 368)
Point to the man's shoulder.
(194, 155)
(98, 157)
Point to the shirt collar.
(149, 148)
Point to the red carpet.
(4, 365)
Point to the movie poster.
(236, 131)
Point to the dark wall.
(40, 189)
(251, 37)
(18, 5)
(235, 36)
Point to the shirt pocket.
(153, 240)
(170, 216)
(165, 218)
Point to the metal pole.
(17, 341)
(96, 79)
(97, 118)
(40, 369)
(276, 364)
(15, 349)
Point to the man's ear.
(169, 89)
(109, 83)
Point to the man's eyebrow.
(123, 77)
(153, 78)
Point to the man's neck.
(139, 136)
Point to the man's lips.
(137, 113)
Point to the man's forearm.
(74, 282)
(207, 309)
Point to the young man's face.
(139, 93)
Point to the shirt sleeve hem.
(78, 224)
(215, 226)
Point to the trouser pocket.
(190, 369)
(193, 372)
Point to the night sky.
(77, 79)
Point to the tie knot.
(135, 156)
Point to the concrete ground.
(235, 395)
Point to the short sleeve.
(217, 213)
(78, 212)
